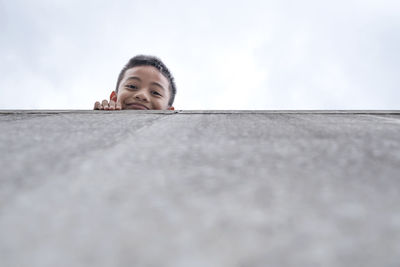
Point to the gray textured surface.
(217, 188)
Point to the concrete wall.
(200, 188)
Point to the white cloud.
(224, 54)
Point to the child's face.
(144, 87)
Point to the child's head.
(145, 80)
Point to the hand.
(114, 104)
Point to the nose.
(142, 96)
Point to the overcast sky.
(269, 54)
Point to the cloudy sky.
(269, 54)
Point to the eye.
(130, 86)
(156, 93)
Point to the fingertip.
(96, 105)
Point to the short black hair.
(143, 60)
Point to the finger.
(104, 103)
(112, 105)
(97, 105)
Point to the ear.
(171, 108)
(113, 96)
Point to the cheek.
(162, 103)
(122, 94)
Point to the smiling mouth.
(136, 106)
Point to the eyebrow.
(153, 83)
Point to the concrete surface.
(200, 188)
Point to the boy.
(144, 83)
